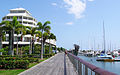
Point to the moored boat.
(105, 57)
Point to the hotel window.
(30, 23)
(13, 11)
(20, 17)
(8, 17)
(24, 22)
(19, 38)
(30, 18)
(35, 20)
(20, 22)
(24, 17)
(11, 17)
(22, 11)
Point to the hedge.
(31, 60)
(18, 64)
(27, 56)
(48, 55)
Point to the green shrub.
(31, 60)
(16, 64)
(48, 55)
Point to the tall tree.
(21, 28)
(39, 35)
(2, 31)
(11, 26)
(51, 37)
(43, 28)
(32, 31)
(45, 37)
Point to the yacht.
(104, 56)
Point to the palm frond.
(47, 28)
(46, 23)
(40, 26)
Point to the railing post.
(96, 73)
(91, 72)
(83, 69)
(79, 68)
(86, 70)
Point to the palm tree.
(45, 37)
(51, 37)
(43, 28)
(32, 31)
(20, 28)
(11, 26)
(39, 35)
(2, 31)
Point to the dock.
(56, 65)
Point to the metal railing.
(84, 68)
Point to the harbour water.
(109, 66)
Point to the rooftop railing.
(84, 68)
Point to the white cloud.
(54, 4)
(76, 7)
(90, 0)
(69, 23)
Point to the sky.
(75, 21)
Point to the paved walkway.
(52, 66)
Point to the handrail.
(78, 61)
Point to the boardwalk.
(53, 66)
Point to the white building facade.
(24, 18)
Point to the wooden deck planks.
(52, 66)
(69, 67)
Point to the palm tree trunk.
(21, 51)
(17, 46)
(49, 47)
(11, 42)
(30, 46)
(42, 47)
(0, 44)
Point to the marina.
(60, 37)
(109, 65)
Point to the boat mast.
(94, 44)
(104, 37)
(110, 45)
(81, 45)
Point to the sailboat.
(104, 56)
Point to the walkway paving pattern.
(52, 66)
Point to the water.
(109, 66)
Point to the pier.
(62, 64)
(56, 65)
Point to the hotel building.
(24, 17)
